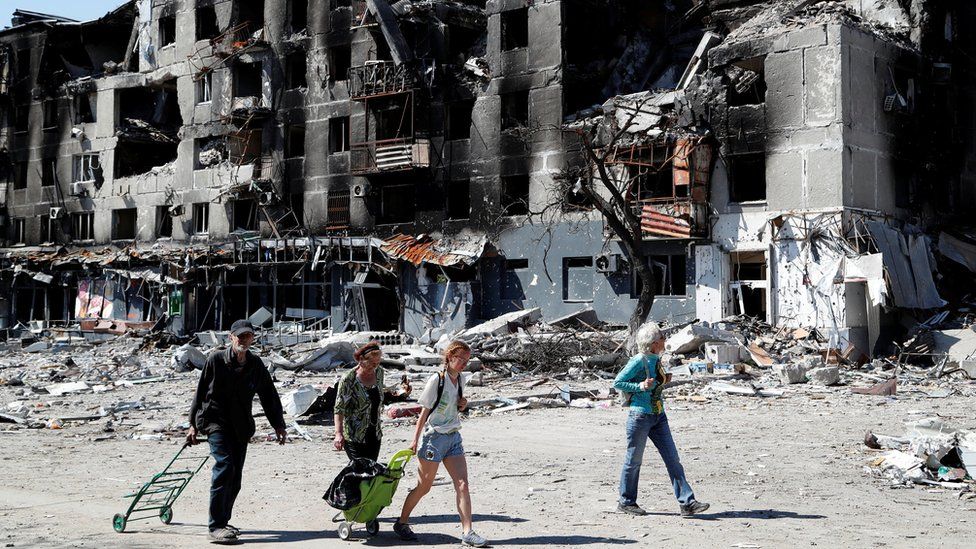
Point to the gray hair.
(647, 335)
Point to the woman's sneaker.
(403, 530)
(693, 508)
(473, 539)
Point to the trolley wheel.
(345, 530)
(373, 527)
(166, 515)
(118, 523)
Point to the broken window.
(83, 224)
(245, 214)
(747, 82)
(84, 108)
(148, 122)
(298, 15)
(515, 194)
(459, 199)
(295, 141)
(398, 204)
(670, 273)
(201, 218)
(48, 169)
(204, 88)
(207, 26)
(252, 13)
(747, 177)
(167, 30)
(247, 80)
(164, 222)
(124, 224)
(515, 109)
(512, 272)
(578, 279)
(338, 134)
(515, 29)
(47, 230)
(296, 67)
(21, 118)
(50, 107)
(459, 119)
(20, 175)
(18, 233)
(748, 282)
(340, 61)
(210, 151)
(23, 63)
(337, 215)
(84, 167)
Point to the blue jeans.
(640, 427)
(228, 455)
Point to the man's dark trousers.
(228, 453)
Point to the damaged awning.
(446, 252)
(908, 266)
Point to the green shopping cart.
(156, 497)
(377, 494)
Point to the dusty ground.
(783, 472)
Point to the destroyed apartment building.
(387, 166)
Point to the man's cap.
(240, 327)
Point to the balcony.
(389, 155)
(379, 78)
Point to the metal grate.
(338, 210)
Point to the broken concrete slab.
(691, 337)
(585, 318)
(59, 389)
(791, 373)
(826, 375)
(187, 357)
(504, 324)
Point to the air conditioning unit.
(79, 188)
(176, 210)
(609, 263)
(360, 190)
(265, 199)
(56, 212)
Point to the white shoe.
(473, 539)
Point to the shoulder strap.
(440, 389)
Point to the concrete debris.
(931, 452)
(826, 376)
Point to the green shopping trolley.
(156, 497)
(377, 494)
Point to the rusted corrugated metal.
(424, 249)
(658, 223)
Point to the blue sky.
(81, 10)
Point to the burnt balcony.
(378, 78)
(389, 155)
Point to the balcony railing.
(389, 155)
(379, 78)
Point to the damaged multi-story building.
(381, 166)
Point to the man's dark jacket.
(225, 394)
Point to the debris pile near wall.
(929, 453)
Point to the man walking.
(221, 410)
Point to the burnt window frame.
(514, 29)
(203, 88)
(294, 78)
(117, 223)
(734, 165)
(166, 30)
(200, 218)
(18, 230)
(339, 124)
(201, 32)
(164, 221)
(83, 225)
(339, 72)
(290, 143)
(453, 194)
(514, 111)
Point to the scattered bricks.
(827, 375)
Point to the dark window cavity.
(515, 29)
(167, 30)
(296, 67)
(459, 199)
(515, 110)
(459, 119)
(515, 194)
(124, 224)
(398, 204)
(338, 134)
(577, 279)
(295, 142)
(340, 60)
(747, 177)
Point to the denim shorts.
(436, 446)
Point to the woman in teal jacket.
(643, 378)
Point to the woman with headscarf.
(359, 400)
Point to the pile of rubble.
(930, 452)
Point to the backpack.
(624, 397)
(441, 376)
